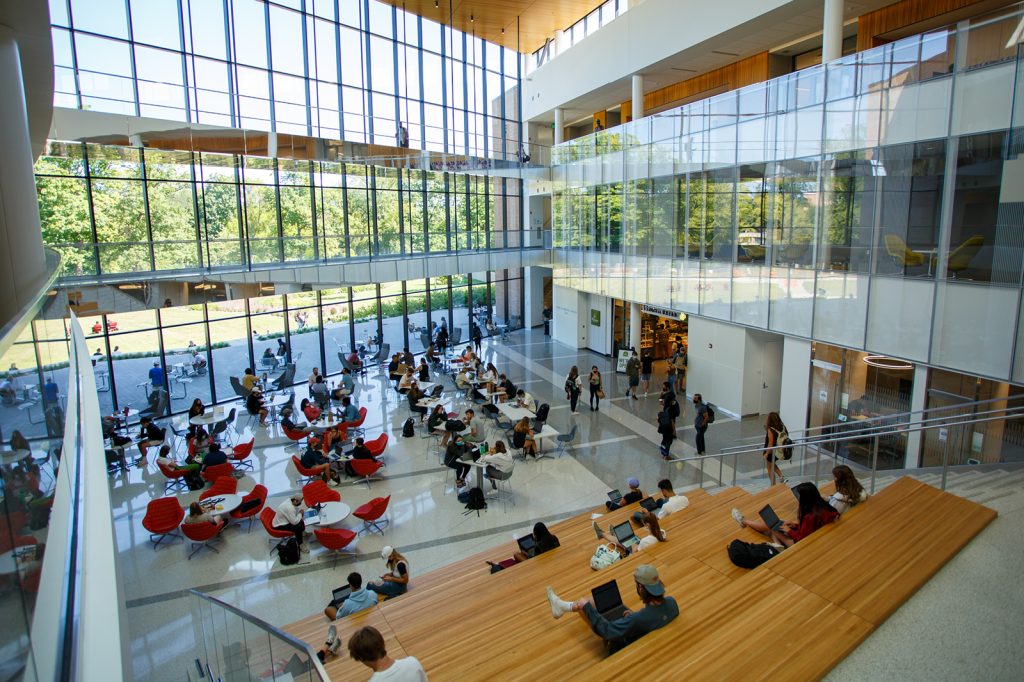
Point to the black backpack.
(710, 417)
(476, 499)
(194, 481)
(409, 428)
(454, 425)
(750, 555)
(288, 551)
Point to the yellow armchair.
(902, 254)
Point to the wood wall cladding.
(899, 14)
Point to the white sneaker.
(333, 483)
(559, 607)
(304, 548)
(739, 517)
(783, 479)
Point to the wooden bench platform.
(795, 617)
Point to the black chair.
(237, 387)
(287, 377)
(437, 391)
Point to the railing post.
(945, 462)
(701, 472)
(817, 461)
(874, 463)
(735, 463)
(721, 465)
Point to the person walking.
(773, 430)
(667, 431)
(573, 388)
(700, 421)
(633, 374)
(646, 369)
(477, 337)
(670, 375)
(596, 391)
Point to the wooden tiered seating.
(796, 616)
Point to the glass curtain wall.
(114, 210)
(358, 70)
(200, 346)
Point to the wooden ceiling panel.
(537, 20)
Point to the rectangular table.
(546, 432)
(515, 413)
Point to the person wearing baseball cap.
(659, 610)
(396, 580)
(634, 495)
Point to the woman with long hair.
(813, 512)
(522, 437)
(596, 389)
(849, 492)
(773, 429)
(650, 521)
(396, 580)
(573, 388)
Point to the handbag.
(604, 556)
(600, 393)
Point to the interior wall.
(565, 327)
(714, 370)
(795, 382)
(533, 289)
(599, 337)
(762, 375)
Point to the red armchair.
(240, 454)
(318, 492)
(225, 485)
(201, 535)
(378, 445)
(259, 492)
(357, 425)
(335, 540)
(305, 475)
(211, 474)
(365, 469)
(276, 534)
(371, 514)
(175, 477)
(162, 518)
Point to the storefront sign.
(595, 318)
(624, 356)
(663, 312)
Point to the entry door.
(824, 398)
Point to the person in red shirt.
(813, 513)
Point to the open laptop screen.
(527, 544)
(770, 518)
(614, 496)
(623, 532)
(606, 596)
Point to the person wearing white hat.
(659, 610)
(396, 580)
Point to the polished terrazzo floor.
(427, 523)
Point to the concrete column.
(832, 31)
(918, 401)
(634, 326)
(638, 96)
(533, 289)
(22, 262)
(796, 383)
(559, 125)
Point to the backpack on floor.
(409, 428)
(710, 415)
(476, 499)
(750, 555)
(288, 552)
(194, 481)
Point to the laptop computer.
(339, 595)
(311, 515)
(614, 496)
(770, 518)
(649, 504)
(625, 535)
(528, 545)
(608, 601)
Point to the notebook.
(528, 545)
(625, 535)
(608, 601)
(614, 496)
(770, 518)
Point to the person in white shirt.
(289, 518)
(406, 381)
(668, 503)
(849, 492)
(499, 463)
(367, 646)
(526, 400)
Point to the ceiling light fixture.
(436, 4)
(471, 20)
(885, 362)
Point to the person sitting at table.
(462, 379)
(349, 412)
(522, 437)
(406, 381)
(396, 580)
(214, 456)
(287, 423)
(656, 535)
(414, 395)
(504, 384)
(249, 379)
(396, 360)
(198, 363)
(499, 463)
(488, 376)
(312, 380)
(346, 385)
(18, 441)
(197, 409)
(423, 372)
(408, 359)
(315, 460)
(367, 646)
(359, 451)
(477, 429)
(198, 514)
(455, 456)
(164, 457)
(813, 512)
(282, 347)
(199, 443)
(634, 494)
(438, 417)
(354, 360)
(490, 327)
(659, 610)
(467, 353)
(254, 404)
(526, 400)
(150, 435)
(289, 518)
(358, 599)
(431, 354)
(320, 393)
(441, 339)
(269, 359)
(311, 411)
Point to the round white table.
(333, 513)
(11, 457)
(227, 504)
(211, 417)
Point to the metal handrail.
(875, 434)
(292, 640)
(884, 418)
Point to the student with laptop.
(668, 503)
(622, 537)
(616, 500)
(813, 512)
(350, 598)
(539, 541)
(609, 618)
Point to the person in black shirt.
(254, 404)
(544, 539)
(408, 359)
(151, 435)
(359, 451)
(196, 410)
(455, 456)
(214, 456)
(442, 339)
(646, 369)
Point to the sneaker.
(597, 531)
(576, 412)
(559, 607)
(738, 517)
(783, 479)
(333, 483)
(635, 398)
(304, 548)
(332, 632)
(777, 546)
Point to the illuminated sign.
(664, 312)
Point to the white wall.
(762, 373)
(533, 290)
(796, 382)
(599, 339)
(715, 370)
(565, 327)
